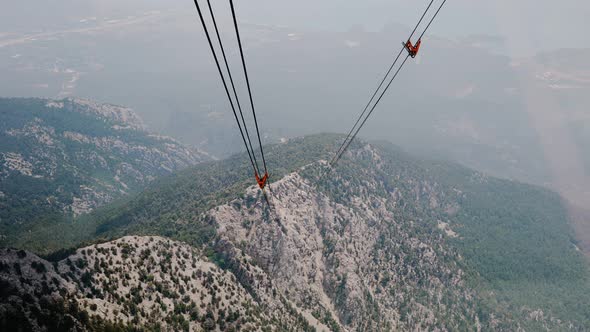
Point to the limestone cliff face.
(355, 263)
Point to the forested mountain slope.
(62, 158)
(137, 281)
(384, 241)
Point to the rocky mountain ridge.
(147, 281)
(384, 242)
(318, 253)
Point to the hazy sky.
(528, 26)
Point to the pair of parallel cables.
(261, 178)
(412, 50)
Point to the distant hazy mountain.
(67, 157)
(383, 242)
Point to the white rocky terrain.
(355, 264)
(147, 281)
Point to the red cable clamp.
(261, 181)
(412, 49)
